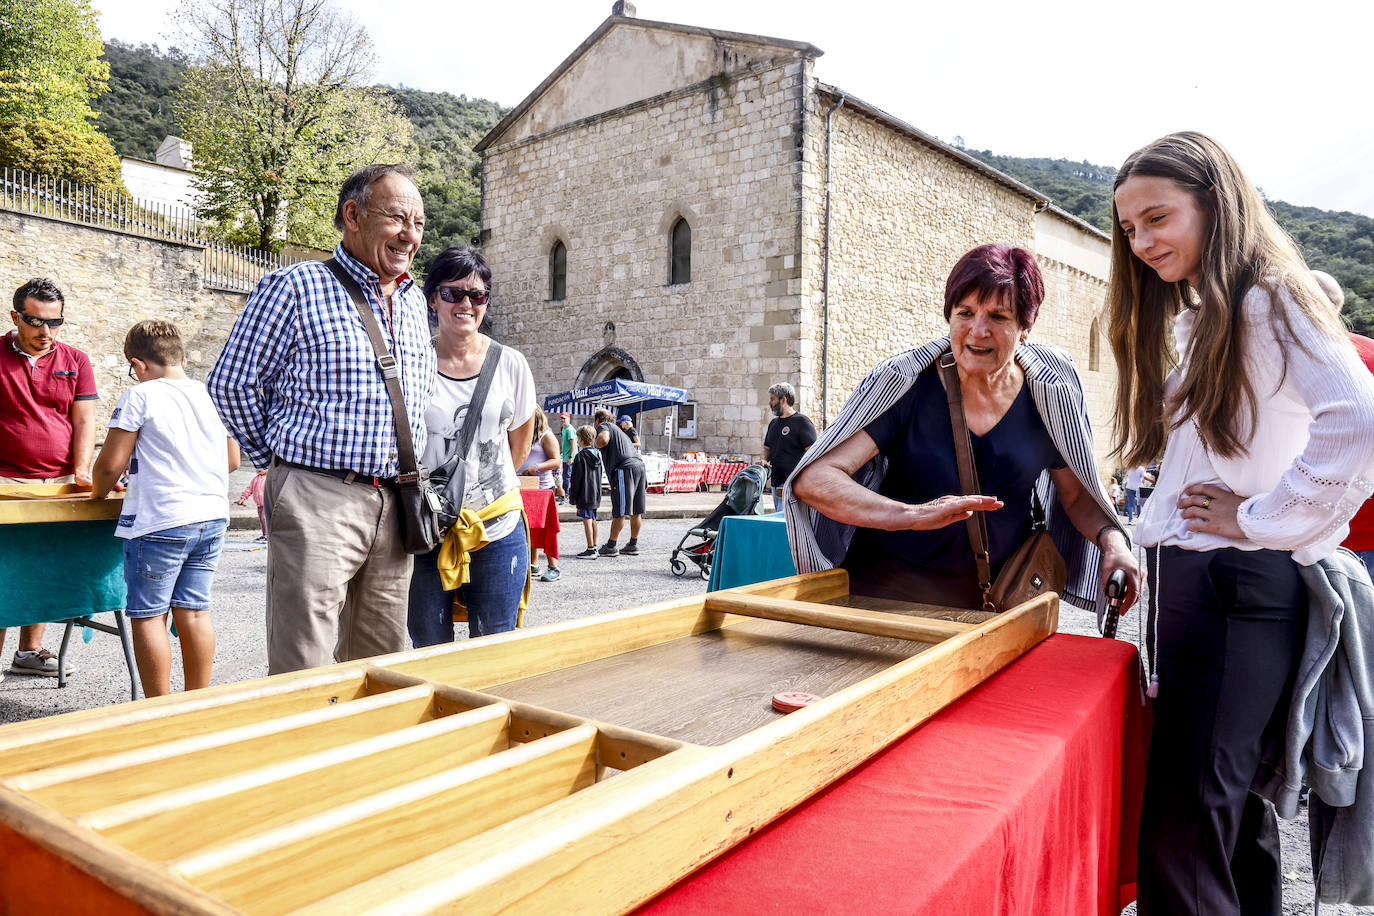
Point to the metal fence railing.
(228, 267)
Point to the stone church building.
(694, 208)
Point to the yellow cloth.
(469, 533)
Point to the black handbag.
(1033, 568)
(418, 502)
(450, 478)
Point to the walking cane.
(1116, 594)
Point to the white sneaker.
(38, 661)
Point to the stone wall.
(110, 281)
(724, 155)
(902, 213)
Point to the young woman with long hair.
(1267, 432)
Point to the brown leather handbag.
(1033, 568)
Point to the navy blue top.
(915, 437)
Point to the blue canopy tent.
(619, 396)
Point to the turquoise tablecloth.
(58, 570)
(749, 549)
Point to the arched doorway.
(606, 364)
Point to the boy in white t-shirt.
(166, 432)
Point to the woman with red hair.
(874, 494)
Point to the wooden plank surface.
(27, 504)
(714, 686)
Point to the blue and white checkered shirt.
(298, 378)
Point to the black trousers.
(1230, 628)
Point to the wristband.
(1103, 530)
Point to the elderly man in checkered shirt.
(298, 385)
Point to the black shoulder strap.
(405, 445)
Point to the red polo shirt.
(35, 408)
(1362, 525)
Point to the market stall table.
(1022, 797)
(750, 548)
(60, 562)
(684, 476)
(722, 472)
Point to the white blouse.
(1310, 464)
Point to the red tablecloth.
(722, 472)
(542, 513)
(684, 476)
(1021, 798)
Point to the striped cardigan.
(821, 543)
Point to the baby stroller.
(743, 497)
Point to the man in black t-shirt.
(625, 471)
(789, 435)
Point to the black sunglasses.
(454, 294)
(34, 321)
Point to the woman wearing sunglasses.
(457, 291)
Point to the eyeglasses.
(34, 321)
(454, 294)
(132, 374)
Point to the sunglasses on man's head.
(34, 321)
(454, 294)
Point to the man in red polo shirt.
(47, 421)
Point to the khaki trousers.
(66, 478)
(338, 577)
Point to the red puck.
(792, 700)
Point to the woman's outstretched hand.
(946, 511)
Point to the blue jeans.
(1368, 557)
(1132, 504)
(172, 568)
(492, 595)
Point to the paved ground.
(587, 587)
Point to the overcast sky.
(1285, 87)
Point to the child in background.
(166, 432)
(584, 486)
(254, 489)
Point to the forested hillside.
(140, 109)
(1340, 243)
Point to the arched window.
(1094, 346)
(681, 271)
(558, 271)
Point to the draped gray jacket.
(821, 543)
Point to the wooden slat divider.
(180, 821)
(853, 620)
(44, 743)
(619, 747)
(98, 782)
(290, 866)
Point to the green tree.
(50, 64)
(278, 114)
(57, 150)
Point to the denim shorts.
(586, 513)
(172, 568)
